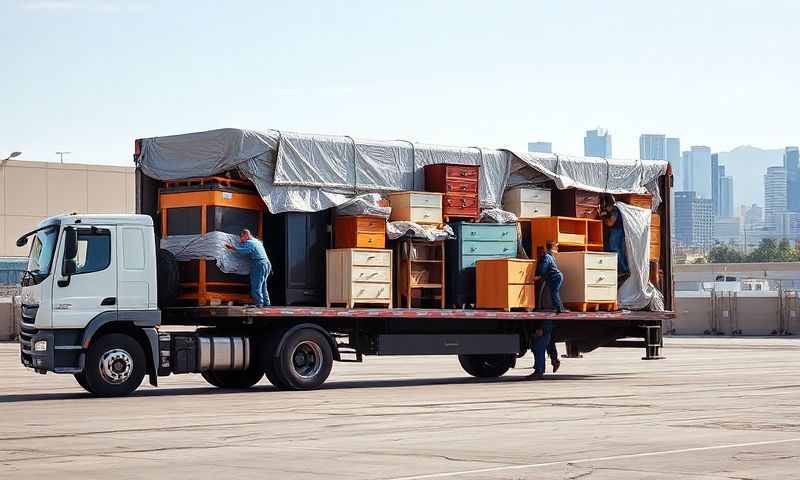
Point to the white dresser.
(358, 276)
(590, 279)
(527, 202)
(417, 207)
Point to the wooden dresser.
(420, 273)
(590, 280)
(526, 202)
(474, 241)
(460, 185)
(641, 200)
(358, 276)
(655, 237)
(505, 283)
(417, 207)
(573, 202)
(359, 231)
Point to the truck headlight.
(40, 346)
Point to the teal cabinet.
(473, 242)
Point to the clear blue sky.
(90, 76)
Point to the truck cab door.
(92, 288)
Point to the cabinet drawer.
(599, 261)
(586, 211)
(419, 199)
(468, 261)
(601, 277)
(536, 195)
(587, 198)
(372, 259)
(488, 232)
(489, 248)
(371, 225)
(464, 172)
(601, 293)
(426, 215)
(462, 186)
(371, 290)
(460, 203)
(521, 272)
(529, 209)
(370, 240)
(372, 274)
(520, 296)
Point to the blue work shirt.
(548, 269)
(253, 248)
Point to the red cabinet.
(460, 184)
(573, 202)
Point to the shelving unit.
(420, 273)
(572, 234)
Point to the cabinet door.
(297, 248)
(317, 241)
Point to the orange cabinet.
(637, 199)
(571, 234)
(655, 237)
(360, 231)
(505, 283)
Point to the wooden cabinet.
(420, 273)
(360, 231)
(526, 202)
(417, 207)
(655, 237)
(590, 280)
(573, 202)
(460, 185)
(571, 234)
(358, 276)
(641, 200)
(473, 242)
(296, 244)
(505, 283)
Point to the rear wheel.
(115, 366)
(81, 379)
(486, 365)
(304, 361)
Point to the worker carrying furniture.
(547, 271)
(260, 268)
(616, 237)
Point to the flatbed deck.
(218, 312)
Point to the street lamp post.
(13, 155)
(61, 155)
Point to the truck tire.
(115, 366)
(270, 361)
(304, 361)
(234, 379)
(486, 365)
(168, 280)
(81, 379)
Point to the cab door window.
(94, 250)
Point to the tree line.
(767, 251)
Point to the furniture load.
(590, 280)
(420, 273)
(417, 207)
(196, 209)
(473, 242)
(574, 202)
(527, 202)
(360, 231)
(505, 283)
(641, 200)
(655, 237)
(296, 244)
(460, 184)
(358, 276)
(571, 234)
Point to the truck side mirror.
(70, 265)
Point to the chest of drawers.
(358, 276)
(474, 241)
(360, 231)
(459, 184)
(641, 200)
(655, 237)
(417, 207)
(527, 202)
(505, 283)
(590, 279)
(573, 202)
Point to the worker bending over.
(616, 237)
(260, 267)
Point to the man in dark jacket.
(547, 271)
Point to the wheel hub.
(116, 366)
(307, 359)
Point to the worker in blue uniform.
(616, 237)
(260, 268)
(547, 271)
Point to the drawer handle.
(600, 279)
(463, 188)
(427, 215)
(369, 240)
(463, 203)
(449, 202)
(472, 249)
(463, 173)
(472, 233)
(505, 249)
(505, 233)
(371, 257)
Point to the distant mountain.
(748, 165)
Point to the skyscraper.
(597, 143)
(700, 166)
(791, 162)
(716, 175)
(652, 146)
(774, 195)
(693, 222)
(673, 151)
(726, 197)
(540, 147)
(688, 182)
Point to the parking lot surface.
(716, 408)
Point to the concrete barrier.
(766, 313)
(8, 328)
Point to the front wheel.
(115, 366)
(486, 365)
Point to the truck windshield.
(42, 253)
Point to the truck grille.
(26, 332)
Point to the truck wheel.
(234, 379)
(115, 366)
(486, 366)
(271, 361)
(305, 360)
(81, 379)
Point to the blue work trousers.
(616, 244)
(259, 271)
(554, 285)
(542, 345)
